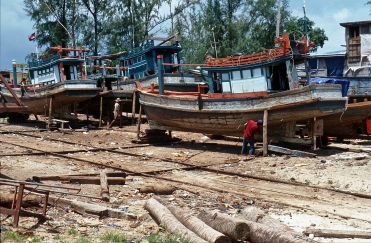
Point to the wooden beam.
(50, 111)
(139, 121)
(265, 134)
(167, 39)
(338, 233)
(104, 186)
(133, 107)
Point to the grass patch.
(9, 235)
(36, 239)
(83, 240)
(72, 232)
(168, 238)
(114, 237)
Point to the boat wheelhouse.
(58, 80)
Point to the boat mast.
(278, 19)
(305, 22)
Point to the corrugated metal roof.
(357, 23)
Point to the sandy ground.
(341, 166)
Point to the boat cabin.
(57, 68)
(257, 79)
(142, 61)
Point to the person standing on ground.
(23, 86)
(116, 111)
(250, 128)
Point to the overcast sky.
(15, 26)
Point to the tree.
(369, 2)
(295, 28)
(99, 12)
(55, 21)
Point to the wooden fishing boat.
(240, 88)
(139, 64)
(353, 66)
(350, 123)
(56, 83)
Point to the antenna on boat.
(305, 22)
(216, 52)
(278, 19)
(278, 22)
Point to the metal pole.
(305, 22)
(14, 73)
(161, 88)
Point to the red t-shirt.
(251, 129)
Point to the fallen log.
(265, 229)
(255, 214)
(338, 233)
(104, 186)
(6, 200)
(260, 233)
(158, 189)
(196, 225)
(234, 228)
(163, 215)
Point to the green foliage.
(296, 28)
(36, 239)
(218, 27)
(168, 238)
(72, 231)
(113, 237)
(83, 240)
(13, 236)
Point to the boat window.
(236, 75)
(225, 76)
(365, 29)
(257, 72)
(246, 73)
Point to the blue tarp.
(344, 83)
(334, 65)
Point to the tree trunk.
(260, 233)
(6, 200)
(158, 189)
(267, 229)
(163, 215)
(234, 228)
(257, 215)
(196, 225)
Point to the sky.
(16, 26)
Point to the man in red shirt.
(251, 127)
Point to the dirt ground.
(328, 199)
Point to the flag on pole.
(32, 37)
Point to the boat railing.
(238, 60)
(137, 50)
(44, 62)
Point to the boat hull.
(63, 93)
(227, 116)
(345, 125)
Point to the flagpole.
(37, 51)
